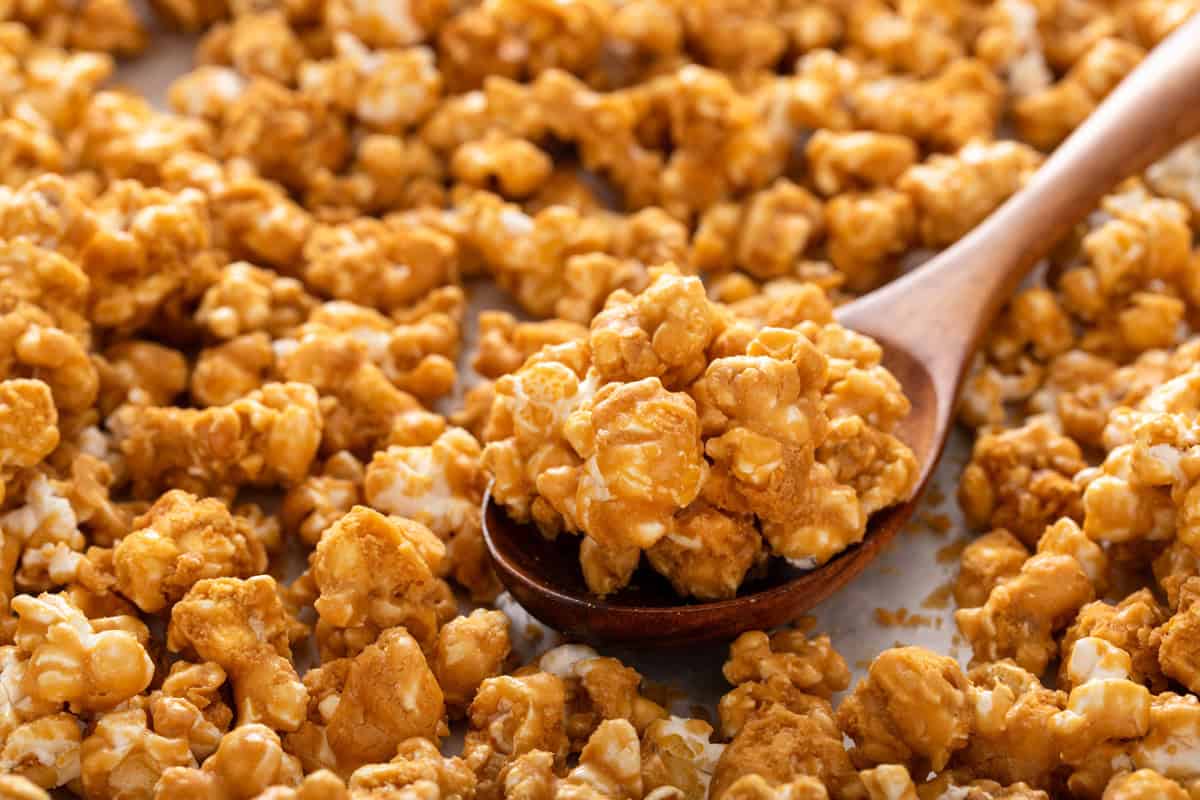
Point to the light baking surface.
(907, 585)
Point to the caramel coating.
(360, 709)
(509, 718)
(911, 708)
(178, 542)
(241, 625)
(233, 332)
(470, 650)
(374, 572)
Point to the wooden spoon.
(929, 322)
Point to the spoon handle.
(939, 312)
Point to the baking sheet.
(902, 598)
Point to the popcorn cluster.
(679, 429)
(231, 334)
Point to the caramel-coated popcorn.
(470, 650)
(234, 335)
(512, 717)
(361, 709)
(269, 436)
(440, 486)
(241, 626)
(772, 401)
(913, 707)
(598, 689)
(373, 572)
(87, 664)
(178, 542)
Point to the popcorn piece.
(362, 409)
(378, 263)
(888, 782)
(267, 437)
(766, 236)
(960, 103)
(1021, 480)
(609, 765)
(287, 135)
(232, 370)
(1066, 538)
(756, 787)
(123, 755)
(708, 553)
(1143, 783)
(322, 499)
(178, 542)
(249, 760)
(597, 689)
(242, 626)
(627, 485)
(509, 718)
(677, 753)
(913, 707)
(416, 766)
(319, 785)
(518, 40)
(399, 23)
(375, 572)
(416, 348)
(190, 707)
(1045, 118)
(517, 167)
(1175, 176)
(206, 91)
(252, 217)
(247, 299)
(470, 650)
(527, 255)
(21, 788)
(440, 486)
(986, 563)
(361, 709)
(840, 161)
(1170, 747)
(812, 666)
(262, 45)
(28, 425)
(91, 665)
(1012, 737)
(30, 347)
(44, 751)
(1011, 41)
(782, 303)
(780, 746)
(952, 194)
(662, 332)
(38, 276)
(387, 90)
(505, 343)
(44, 525)
(122, 136)
(1129, 625)
(1176, 637)
(868, 233)
(1104, 704)
(140, 373)
(1021, 616)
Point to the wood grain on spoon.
(929, 322)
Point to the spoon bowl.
(929, 323)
